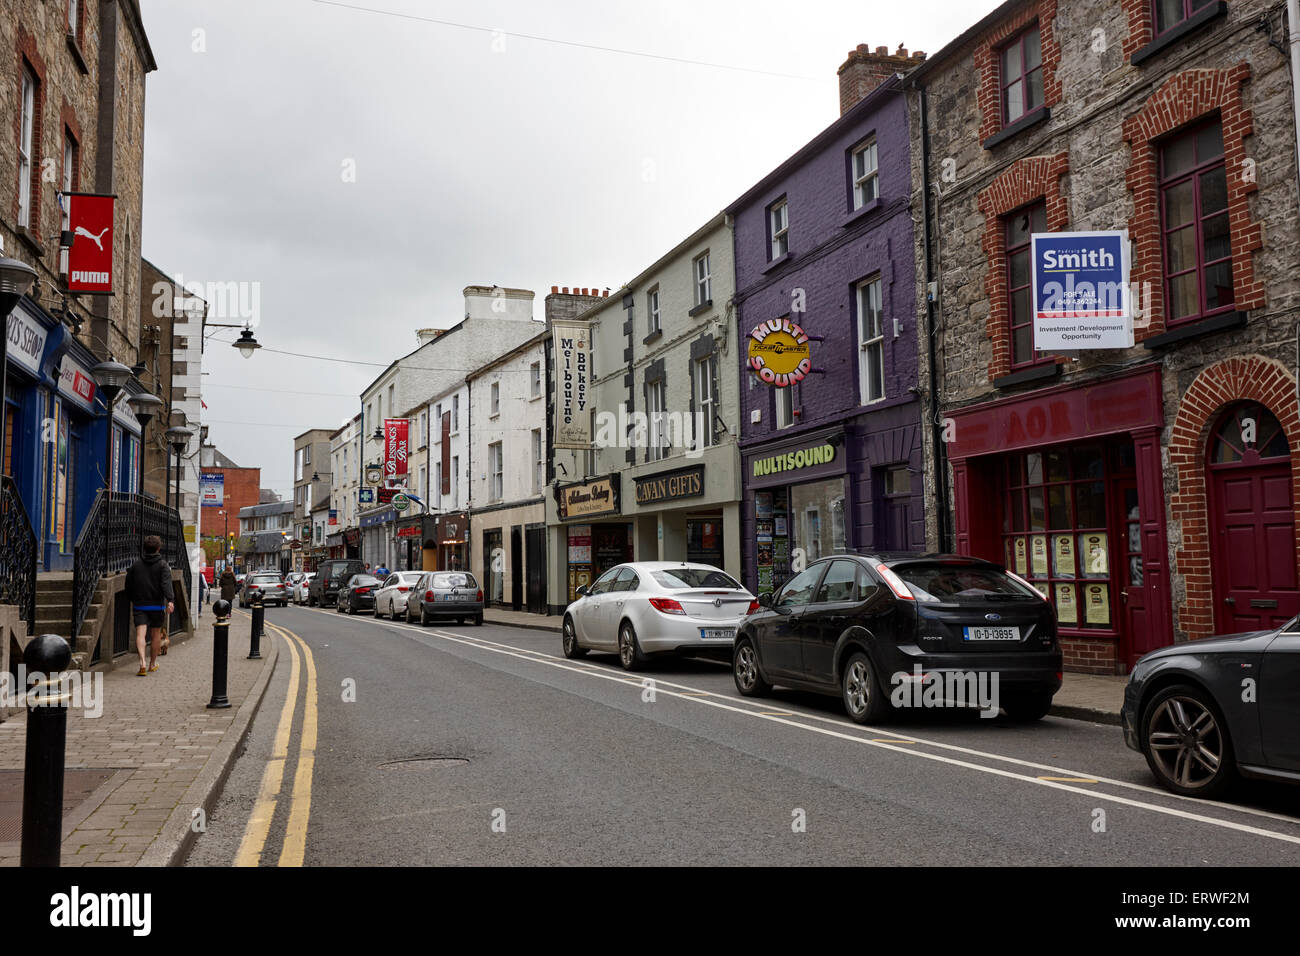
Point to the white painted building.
(345, 481)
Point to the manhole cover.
(423, 763)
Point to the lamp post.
(178, 437)
(110, 377)
(145, 405)
(16, 277)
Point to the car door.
(778, 630)
(587, 613)
(620, 592)
(1279, 699)
(829, 615)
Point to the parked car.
(357, 594)
(266, 584)
(239, 581)
(448, 594)
(299, 593)
(390, 600)
(330, 576)
(655, 607)
(1207, 711)
(860, 625)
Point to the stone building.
(1148, 491)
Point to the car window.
(678, 579)
(266, 579)
(954, 582)
(867, 586)
(453, 579)
(798, 591)
(604, 582)
(627, 581)
(839, 584)
(362, 580)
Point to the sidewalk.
(541, 622)
(135, 774)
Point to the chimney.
(865, 69)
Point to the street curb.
(527, 627)
(177, 838)
(1071, 712)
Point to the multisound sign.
(1081, 294)
(794, 460)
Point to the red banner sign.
(396, 445)
(90, 260)
(412, 532)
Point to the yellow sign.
(1063, 553)
(1067, 608)
(1098, 611)
(1038, 555)
(1020, 555)
(189, 532)
(779, 352)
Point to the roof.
(395, 362)
(501, 359)
(312, 431)
(967, 37)
(269, 508)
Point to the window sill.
(1171, 36)
(75, 49)
(1034, 373)
(653, 337)
(861, 213)
(702, 307)
(1040, 115)
(776, 263)
(29, 239)
(1196, 328)
(535, 398)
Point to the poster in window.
(781, 550)
(779, 524)
(763, 504)
(1098, 610)
(1092, 549)
(1063, 555)
(1038, 555)
(764, 530)
(1043, 588)
(764, 579)
(1022, 564)
(1067, 607)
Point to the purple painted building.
(825, 302)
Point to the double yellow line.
(294, 846)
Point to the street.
(548, 761)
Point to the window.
(1170, 13)
(423, 475)
(798, 591)
(392, 407)
(494, 476)
(865, 174)
(25, 147)
(706, 373)
(306, 455)
(784, 398)
(1194, 223)
(437, 421)
(871, 341)
(424, 428)
(840, 584)
(72, 17)
(655, 413)
(1020, 227)
(898, 480)
(437, 484)
(496, 399)
(1022, 76)
(455, 414)
(1248, 433)
(455, 479)
(70, 170)
(535, 380)
(539, 461)
(703, 280)
(652, 311)
(778, 222)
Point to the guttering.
(1293, 40)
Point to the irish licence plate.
(718, 633)
(991, 633)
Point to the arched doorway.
(1252, 521)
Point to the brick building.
(241, 488)
(1150, 491)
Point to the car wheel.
(1028, 706)
(460, 622)
(861, 693)
(629, 651)
(744, 670)
(1186, 742)
(409, 619)
(569, 641)
(478, 620)
(424, 617)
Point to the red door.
(1138, 637)
(1252, 522)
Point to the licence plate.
(991, 633)
(457, 597)
(718, 633)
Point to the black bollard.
(220, 649)
(259, 618)
(47, 731)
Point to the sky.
(354, 170)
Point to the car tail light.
(667, 606)
(428, 595)
(754, 607)
(479, 596)
(895, 583)
(403, 590)
(362, 591)
(280, 586)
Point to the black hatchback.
(891, 630)
(358, 594)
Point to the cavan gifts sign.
(779, 353)
(90, 260)
(1081, 290)
(572, 378)
(396, 447)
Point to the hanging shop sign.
(374, 475)
(1082, 298)
(212, 490)
(451, 529)
(572, 346)
(90, 260)
(334, 516)
(366, 496)
(384, 496)
(400, 502)
(26, 341)
(396, 446)
(779, 352)
(76, 383)
(590, 499)
(670, 486)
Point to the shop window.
(1020, 227)
(1056, 529)
(784, 399)
(1250, 431)
(1021, 77)
(1194, 223)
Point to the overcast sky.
(476, 156)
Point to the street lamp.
(145, 405)
(178, 436)
(16, 277)
(110, 377)
(247, 344)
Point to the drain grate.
(423, 763)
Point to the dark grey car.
(1205, 711)
(446, 594)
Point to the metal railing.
(17, 554)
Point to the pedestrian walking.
(203, 592)
(149, 589)
(228, 583)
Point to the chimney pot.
(918, 55)
(554, 289)
(862, 48)
(566, 290)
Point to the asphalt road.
(559, 762)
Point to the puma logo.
(83, 231)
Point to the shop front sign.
(779, 353)
(590, 500)
(670, 486)
(794, 460)
(412, 532)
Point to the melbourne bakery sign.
(670, 486)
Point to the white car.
(390, 600)
(654, 607)
(300, 586)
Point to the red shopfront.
(1065, 486)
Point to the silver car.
(655, 607)
(299, 593)
(390, 600)
(445, 594)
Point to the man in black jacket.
(149, 589)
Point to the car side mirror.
(581, 591)
(765, 599)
